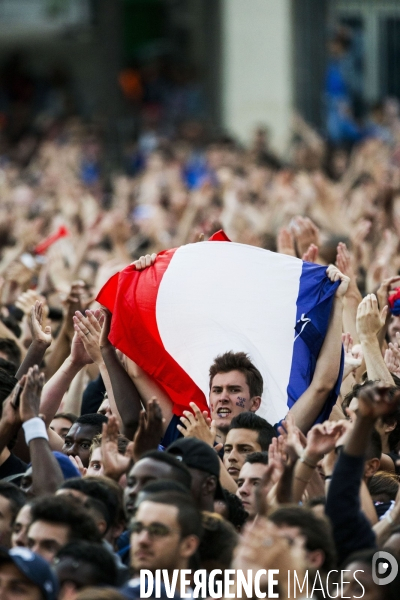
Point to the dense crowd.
(98, 479)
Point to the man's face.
(156, 552)
(61, 426)
(145, 470)
(46, 538)
(248, 481)
(78, 441)
(230, 396)
(95, 468)
(21, 525)
(6, 519)
(394, 327)
(14, 585)
(238, 444)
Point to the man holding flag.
(152, 329)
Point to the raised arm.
(369, 323)
(352, 530)
(46, 472)
(41, 340)
(126, 395)
(307, 408)
(55, 388)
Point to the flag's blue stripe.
(314, 304)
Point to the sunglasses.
(155, 530)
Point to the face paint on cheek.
(240, 402)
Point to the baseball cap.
(34, 567)
(198, 455)
(68, 469)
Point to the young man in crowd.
(26, 576)
(153, 466)
(62, 423)
(250, 477)
(165, 534)
(204, 466)
(79, 437)
(236, 385)
(57, 521)
(247, 433)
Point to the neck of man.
(206, 503)
(4, 455)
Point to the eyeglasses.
(155, 530)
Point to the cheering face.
(230, 396)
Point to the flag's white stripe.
(219, 296)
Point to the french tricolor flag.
(204, 299)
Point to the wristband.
(33, 429)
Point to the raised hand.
(104, 342)
(39, 333)
(79, 355)
(392, 356)
(197, 425)
(114, 463)
(285, 242)
(27, 300)
(321, 440)
(305, 233)
(335, 275)
(78, 299)
(30, 396)
(295, 439)
(145, 261)
(88, 328)
(150, 430)
(351, 360)
(311, 255)
(369, 320)
(375, 401)
(385, 289)
(262, 547)
(78, 464)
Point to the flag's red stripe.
(132, 297)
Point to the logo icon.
(384, 568)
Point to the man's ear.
(371, 467)
(316, 558)
(388, 427)
(189, 545)
(209, 486)
(256, 403)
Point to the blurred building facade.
(233, 64)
